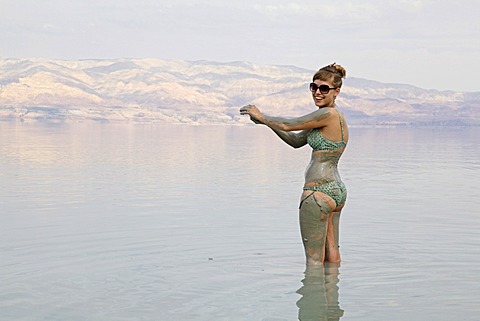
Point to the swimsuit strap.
(341, 123)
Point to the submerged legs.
(319, 228)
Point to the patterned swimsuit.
(335, 189)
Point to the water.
(151, 222)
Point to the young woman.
(324, 194)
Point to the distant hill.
(205, 92)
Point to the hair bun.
(336, 69)
(340, 70)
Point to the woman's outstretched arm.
(317, 119)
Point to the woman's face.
(323, 93)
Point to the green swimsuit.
(318, 142)
(336, 189)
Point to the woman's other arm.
(294, 139)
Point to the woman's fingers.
(246, 109)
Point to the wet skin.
(319, 213)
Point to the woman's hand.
(254, 113)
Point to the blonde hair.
(332, 72)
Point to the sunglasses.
(324, 89)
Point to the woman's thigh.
(315, 208)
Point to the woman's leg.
(315, 210)
(332, 252)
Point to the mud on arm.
(316, 119)
(294, 139)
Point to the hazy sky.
(433, 44)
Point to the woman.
(326, 131)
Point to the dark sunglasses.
(324, 89)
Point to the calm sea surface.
(151, 222)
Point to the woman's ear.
(337, 91)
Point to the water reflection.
(319, 293)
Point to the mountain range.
(206, 92)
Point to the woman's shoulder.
(323, 113)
